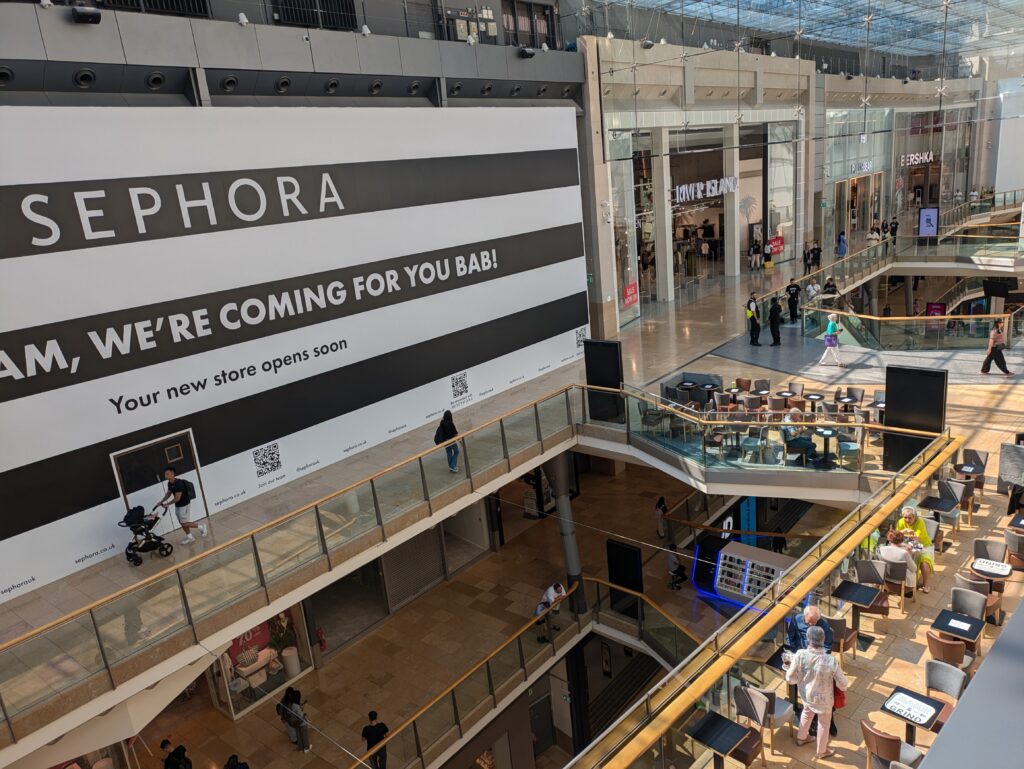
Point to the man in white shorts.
(177, 493)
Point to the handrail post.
(455, 713)
(103, 652)
(504, 442)
(423, 481)
(490, 684)
(185, 606)
(259, 568)
(465, 460)
(536, 422)
(7, 719)
(320, 529)
(376, 510)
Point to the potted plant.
(282, 640)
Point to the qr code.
(581, 335)
(460, 385)
(267, 459)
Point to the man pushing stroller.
(181, 492)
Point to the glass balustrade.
(86, 649)
(742, 640)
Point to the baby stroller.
(143, 538)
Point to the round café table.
(814, 397)
(827, 433)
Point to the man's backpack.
(188, 490)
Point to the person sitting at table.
(910, 523)
(897, 550)
(797, 439)
(817, 674)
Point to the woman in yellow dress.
(925, 558)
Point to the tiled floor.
(408, 659)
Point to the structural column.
(661, 172)
(730, 201)
(908, 295)
(874, 285)
(557, 472)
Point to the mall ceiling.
(899, 27)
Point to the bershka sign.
(712, 188)
(916, 159)
(259, 310)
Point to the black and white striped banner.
(259, 275)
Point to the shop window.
(347, 608)
(261, 662)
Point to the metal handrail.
(696, 675)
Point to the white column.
(730, 201)
(662, 182)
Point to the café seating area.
(910, 654)
(754, 423)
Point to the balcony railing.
(490, 684)
(656, 726)
(61, 666)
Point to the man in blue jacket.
(796, 638)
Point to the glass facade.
(858, 170)
(782, 190)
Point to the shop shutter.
(413, 567)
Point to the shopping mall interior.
(718, 463)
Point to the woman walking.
(446, 430)
(841, 245)
(832, 342)
(996, 345)
(660, 511)
(817, 674)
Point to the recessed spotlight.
(331, 86)
(155, 81)
(376, 87)
(414, 88)
(229, 83)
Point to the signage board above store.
(712, 188)
(916, 159)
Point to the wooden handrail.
(671, 712)
(334, 494)
(408, 722)
(261, 528)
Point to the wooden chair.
(873, 573)
(762, 384)
(724, 402)
(971, 604)
(743, 384)
(942, 677)
(993, 600)
(896, 581)
(843, 637)
(884, 748)
(978, 459)
(1014, 548)
(994, 550)
(950, 651)
(796, 388)
(755, 707)
(935, 534)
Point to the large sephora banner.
(257, 293)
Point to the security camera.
(243, 20)
(365, 31)
(470, 40)
(526, 53)
(544, 47)
(46, 3)
(647, 45)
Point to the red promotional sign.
(630, 294)
(776, 242)
(935, 309)
(258, 636)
